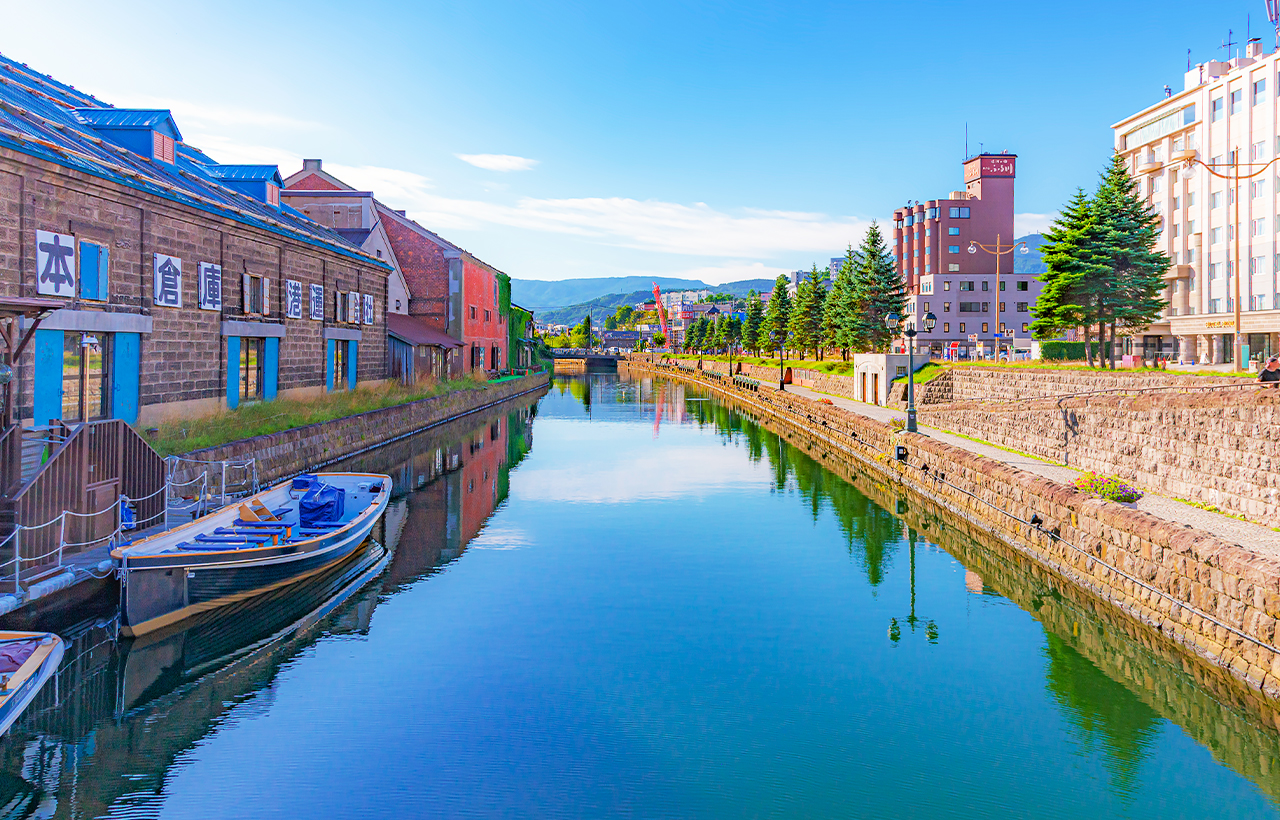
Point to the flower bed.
(1108, 487)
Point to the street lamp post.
(778, 338)
(1235, 178)
(891, 321)
(997, 250)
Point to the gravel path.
(1255, 537)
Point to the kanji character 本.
(168, 281)
(55, 255)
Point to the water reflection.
(110, 729)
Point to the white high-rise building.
(1212, 227)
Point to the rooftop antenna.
(1273, 14)
(1189, 50)
(1229, 44)
(966, 125)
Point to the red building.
(931, 247)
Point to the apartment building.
(943, 250)
(1205, 159)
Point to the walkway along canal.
(634, 597)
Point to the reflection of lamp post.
(1235, 177)
(891, 321)
(930, 626)
(997, 250)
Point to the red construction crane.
(662, 311)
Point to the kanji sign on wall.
(168, 281)
(317, 302)
(293, 299)
(368, 308)
(210, 286)
(55, 264)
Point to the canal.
(626, 597)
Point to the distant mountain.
(1030, 262)
(599, 308)
(541, 297)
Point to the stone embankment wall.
(1217, 600)
(1217, 447)
(985, 383)
(288, 452)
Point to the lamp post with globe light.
(891, 321)
(997, 250)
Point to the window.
(1257, 302)
(1024, 327)
(962, 327)
(161, 147)
(1191, 199)
(953, 231)
(1258, 188)
(928, 287)
(926, 307)
(1259, 91)
(488, 316)
(255, 296)
(946, 327)
(1215, 110)
(1260, 226)
(959, 213)
(86, 376)
(986, 286)
(1215, 236)
(1214, 268)
(1215, 305)
(927, 249)
(251, 358)
(933, 213)
(1157, 184)
(1176, 203)
(953, 249)
(946, 307)
(946, 285)
(1022, 307)
(397, 304)
(1237, 101)
(1176, 226)
(1003, 283)
(473, 313)
(1002, 307)
(339, 365)
(984, 327)
(1215, 199)
(953, 267)
(1216, 160)
(273, 195)
(93, 271)
(1023, 286)
(970, 307)
(966, 286)
(928, 233)
(986, 306)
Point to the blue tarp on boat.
(321, 502)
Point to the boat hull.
(14, 703)
(164, 590)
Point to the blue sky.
(719, 140)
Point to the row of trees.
(1103, 272)
(847, 314)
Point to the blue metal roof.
(252, 173)
(150, 118)
(43, 118)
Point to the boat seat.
(273, 534)
(231, 539)
(192, 545)
(257, 511)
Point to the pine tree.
(777, 316)
(806, 314)
(752, 330)
(878, 292)
(1128, 230)
(1070, 297)
(839, 319)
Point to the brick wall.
(1217, 601)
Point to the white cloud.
(1024, 224)
(498, 162)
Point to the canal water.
(625, 598)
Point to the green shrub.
(1108, 487)
(1068, 351)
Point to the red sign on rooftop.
(989, 165)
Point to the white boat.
(27, 660)
(279, 536)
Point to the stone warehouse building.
(451, 310)
(186, 285)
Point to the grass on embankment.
(260, 418)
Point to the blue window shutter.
(328, 365)
(104, 256)
(233, 372)
(271, 369)
(125, 366)
(351, 364)
(47, 390)
(88, 270)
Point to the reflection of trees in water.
(1106, 715)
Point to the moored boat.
(27, 660)
(279, 536)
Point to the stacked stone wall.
(1218, 601)
(288, 452)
